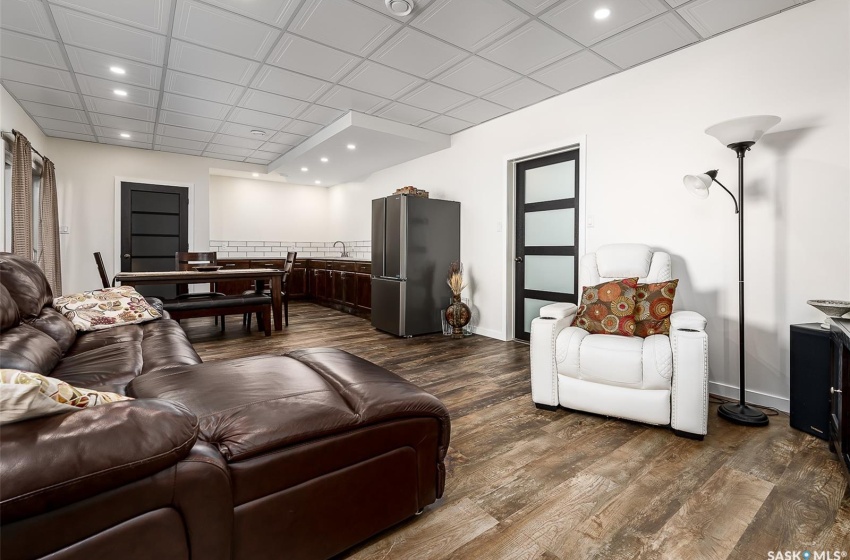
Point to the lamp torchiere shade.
(698, 185)
(742, 129)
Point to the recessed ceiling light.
(258, 132)
(304, 169)
(124, 135)
(399, 7)
(602, 13)
(255, 174)
(318, 182)
(324, 160)
(351, 147)
(119, 92)
(117, 70)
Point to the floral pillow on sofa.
(106, 308)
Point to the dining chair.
(187, 260)
(287, 272)
(104, 277)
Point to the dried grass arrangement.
(455, 279)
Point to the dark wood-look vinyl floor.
(530, 484)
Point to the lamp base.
(742, 414)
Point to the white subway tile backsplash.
(272, 243)
(356, 249)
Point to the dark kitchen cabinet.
(363, 289)
(298, 281)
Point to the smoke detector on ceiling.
(399, 7)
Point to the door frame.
(116, 224)
(510, 161)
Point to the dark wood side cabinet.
(839, 412)
(810, 378)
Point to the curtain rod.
(12, 134)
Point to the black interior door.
(154, 226)
(546, 236)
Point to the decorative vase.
(457, 315)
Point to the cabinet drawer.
(364, 268)
(346, 266)
(268, 263)
(311, 264)
(230, 265)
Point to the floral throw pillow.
(106, 308)
(653, 306)
(608, 308)
(25, 395)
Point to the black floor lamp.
(738, 135)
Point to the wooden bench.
(213, 306)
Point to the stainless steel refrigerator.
(414, 240)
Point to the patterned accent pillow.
(653, 306)
(106, 308)
(608, 308)
(26, 395)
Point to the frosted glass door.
(546, 235)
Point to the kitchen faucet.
(344, 254)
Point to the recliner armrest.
(687, 321)
(559, 310)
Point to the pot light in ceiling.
(351, 147)
(324, 160)
(120, 92)
(258, 132)
(399, 7)
(304, 169)
(602, 13)
(125, 135)
(117, 70)
(255, 174)
(318, 182)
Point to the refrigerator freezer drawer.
(388, 305)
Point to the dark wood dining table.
(273, 275)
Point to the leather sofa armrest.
(687, 321)
(559, 310)
(50, 462)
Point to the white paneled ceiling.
(252, 80)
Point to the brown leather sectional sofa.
(294, 456)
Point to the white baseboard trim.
(490, 333)
(763, 399)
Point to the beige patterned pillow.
(106, 308)
(25, 395)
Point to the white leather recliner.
(657, 380)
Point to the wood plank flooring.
(530, 484)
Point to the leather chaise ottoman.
(324, 449)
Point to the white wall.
(644, 131)
(251, 209)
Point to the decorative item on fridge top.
(412, 191)
(831, 308)
(457, 313)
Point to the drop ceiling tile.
(185, 133)
(320, 115)
(97, 64)
(575, 18)
(28, 92)
(223, 156)
(115, 134)
(435, 97)
(446, 125)
(18, 71)
(287, 138)
(149, 14)
(176, 150)
(271, 103)
(380, 80)
(126, 143)
(646, 41)
(347, 99)
(530, 48)
(121, 123)
(477, 76)
(202, 88)
(381, 6)
(31, 49)
(250, 117)
(302, 127)
(710, 17)
(259, 161)
(208, 26)
(69, 135)
(54, 112)
(192, 106)
(289, 84)
(26, 16)
(534, 6)
(344, 25)
(311, 58)
(469, 24)
(273, 12)
(676, 3)
(235, 129)
(575, 71)
(97, 87)
(65, 126)
(478, 111)
(237, 142)
(180, 143)
(418, 54)
(268, 156)
(405, 113)
(188, 121)
(120, 109)
(272, 147)
(211, 64)
(521, 94)
(98, 34)
(229, 150)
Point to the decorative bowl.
(207, 268)
(830, 307)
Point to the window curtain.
(48, 255)
(22, 197)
